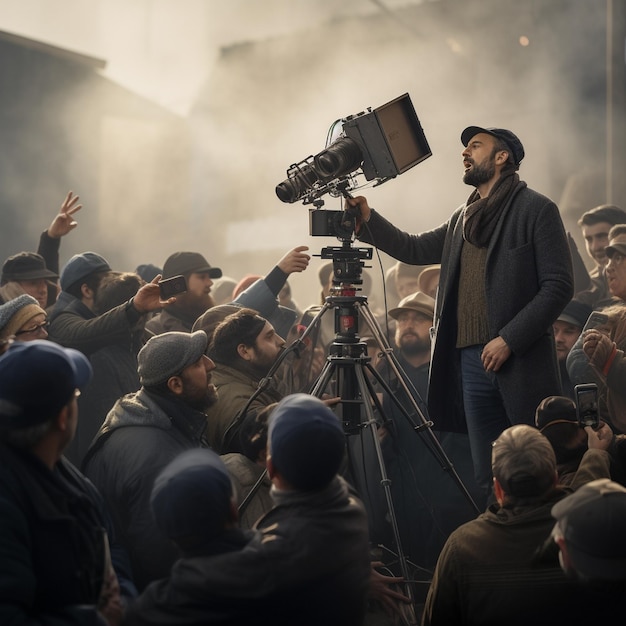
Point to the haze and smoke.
(179, 141)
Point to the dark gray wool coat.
(528, 280)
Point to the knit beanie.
(17, 312)
(192, 496)
(306, 441)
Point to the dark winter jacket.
(74, 325)
(142, 433)
(234, 389)
(52, 542)
(308, 564)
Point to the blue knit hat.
(168, 354)
(306, 441)
(80, 266)
(192, 496)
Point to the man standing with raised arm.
(505, 277)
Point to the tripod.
(348, 370)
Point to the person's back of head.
(306, 443)
(589, 530)
(556, 419)
(192, 499)
(244, 283)
(222, 291)
(148, 271)
(38, 379)
(114, 289)
(523, 464)
(212, 318)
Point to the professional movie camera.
(377, 145)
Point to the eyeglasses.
(35, 329)
(616, 258)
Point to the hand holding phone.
(587, 405)
(172, 286)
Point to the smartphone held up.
(174, 286)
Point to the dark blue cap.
(192, 496)
(37, 379)
(306, 441)
(80, 266)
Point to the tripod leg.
(324, 378)
(411, 394)
(370, 424)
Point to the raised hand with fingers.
(64, 221)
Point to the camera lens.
(296, 186)
(340, 158)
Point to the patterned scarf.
(481, 214)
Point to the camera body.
(587, 405)
(172, 286)
(325, 223)
(378, 144)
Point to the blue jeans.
(484, 412)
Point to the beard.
(260, 367)
(480, 173)
(412, 345)
(198, 398)
(194, 305)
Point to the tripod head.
(348, 263)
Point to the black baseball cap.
(509, 138)
(188, 263)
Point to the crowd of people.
(171, 458)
